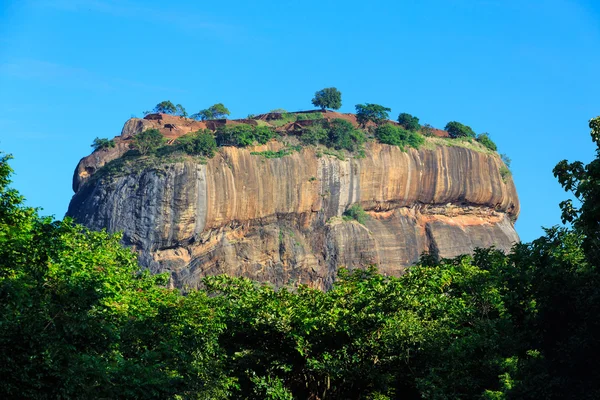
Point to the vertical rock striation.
(279, 219)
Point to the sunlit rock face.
(279, 220)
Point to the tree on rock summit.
(328, 98)
(216, 111)
(456, 129)
(371, 112)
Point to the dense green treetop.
(484, 139)
(147, 141)
(456, 129)
(101, 144)
(216, 111)
(396, 136)
(328, 98)
(165, 107)
(371, 112)
(409, 122)
(198, 143)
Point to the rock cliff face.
(279, 219)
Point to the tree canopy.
(201, 143)
(371, 112)
(396, 136)
(409, 122)
(456, 129)
(216, 111)
(165, 107)
(328, 98)
(101, 144)
(148, 141)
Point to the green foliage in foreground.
(101, 144)
(396, 136)
(79, 320)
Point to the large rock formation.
(280, 219)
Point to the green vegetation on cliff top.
(342, 135)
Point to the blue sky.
(524, 71)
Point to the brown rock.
(279, 220)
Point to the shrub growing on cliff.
(201, 143)
(101, 144)
(328, 98)
(338, 133)
(243, 135)
(147, 141)
(456, 129)
(485, 140)
(409, 122)
(356, 212)
(341, 134)
(314, 135)
(371, 112)
(394, 135)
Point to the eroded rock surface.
(279, 220)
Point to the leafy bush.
(356, 212)
(338, 133)
(243, 135)
(314, 135)
(76, 310)
(409, 122)
(394, 135)
(201, 143)
(485, 140)
(456, 129)
(216, 111)
(504, 172)
(371, 112)
(342, 135)
(148, 141)
(101, 144)
(328, 98)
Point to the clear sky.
(524, 71)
